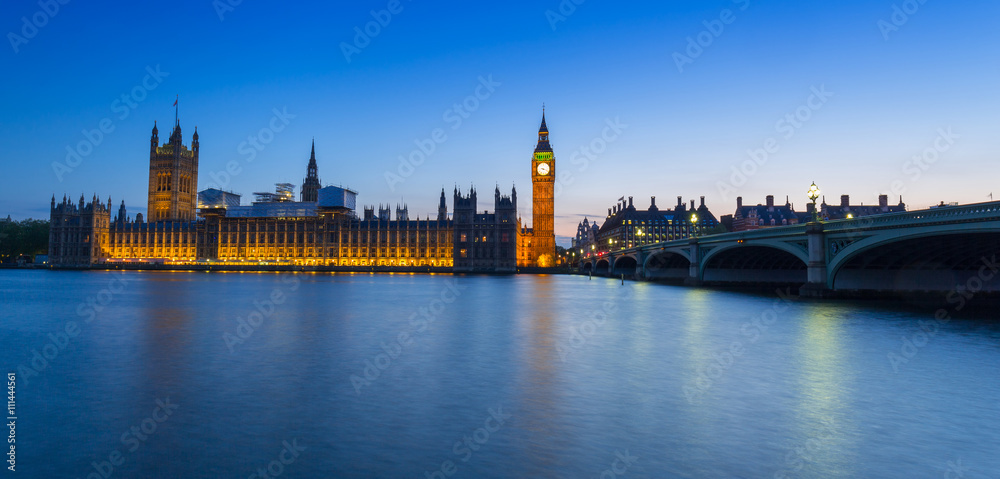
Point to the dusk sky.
(892, 85)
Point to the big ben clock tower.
(543, 173)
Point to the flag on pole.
(175, 101)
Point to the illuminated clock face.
(543, 169)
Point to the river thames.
(157, 374)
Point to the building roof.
(680, 215)
(780, 214)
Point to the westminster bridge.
(939, 249)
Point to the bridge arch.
(672, 264)
(625, 265)
(602, 266)
(937, 258)
(755, 263)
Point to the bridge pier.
(816, 286)
(640, 264)
(695, 277)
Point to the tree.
(25, 237)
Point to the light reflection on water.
(811, 393)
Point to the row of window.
(236, 238)
(164, 182)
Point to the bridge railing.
(985, 211)
(989, 210)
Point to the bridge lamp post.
(694, 224)
(813, 195)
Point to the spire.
(543, 136)
(543, 128)
(311, 184)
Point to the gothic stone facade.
(84, 234)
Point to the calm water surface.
(528, 376)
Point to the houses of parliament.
(321, 229)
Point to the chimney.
(652, 202)
(845, 200)
(770, 201)
(679, 201)
(883, 201)
(609, 212)
(630, 203)
(702, 202)
(739, 202)
(692, 204)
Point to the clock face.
(543, 169)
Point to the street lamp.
(694, 224)
(813, 195)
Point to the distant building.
(586, 235)
(78, 233)
(325, 233)
(769, 215)
(747, 218)
(485, 241)
(627, 227)
(845, 208)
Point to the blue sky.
(917, 84)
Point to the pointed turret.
(154, 139)
(442, 208)
(311, 184)
(175, 136)
(543, 136)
